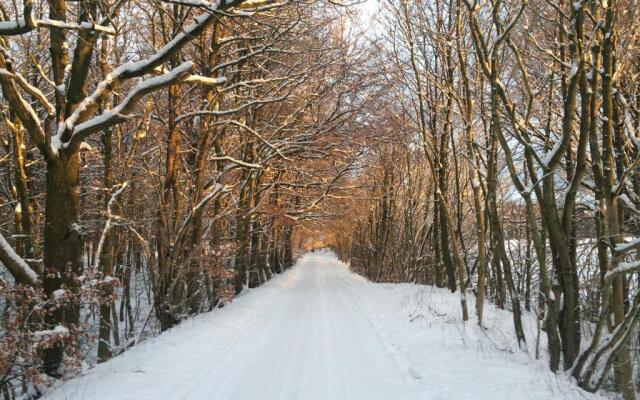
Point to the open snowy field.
(319, 331)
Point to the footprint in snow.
(415, 374)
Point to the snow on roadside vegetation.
(422, 329)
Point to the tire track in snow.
(398, 354)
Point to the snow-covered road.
(317, 332)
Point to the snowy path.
(318, 332)
(313, 343)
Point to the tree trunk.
(106, 260)
(62, 245)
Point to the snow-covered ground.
(319, 331)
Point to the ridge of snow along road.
(319, 331)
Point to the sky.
(367, 10)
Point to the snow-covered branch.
(83, 26)
(121, 111)
(27, 23)
(32, 90)
(622, 268)
(236, 161)
(21, 107)
(203, 80)
(89, 105)
(20, 25)
(628, 246)
(19, 269)
(108, 223)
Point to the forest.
(160, 158)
